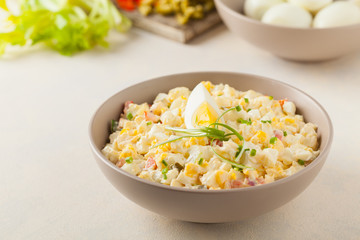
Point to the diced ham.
(236, 184)
(149, 116)
(150, 163)
(250, 182)
(279, 134)
(260, 180)
(120, 163)
(219, 142)
(126, 107)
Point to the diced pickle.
(179, 166)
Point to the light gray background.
(51, 187)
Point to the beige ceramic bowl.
(208, 206)
(290, 43)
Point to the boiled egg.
(289, 15)
(256, 8)
(337, 14)
(312, 6)
(201, 109)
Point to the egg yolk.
(204, 115)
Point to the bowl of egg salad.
(299, 30)
(210, 146)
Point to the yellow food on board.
(214, 137)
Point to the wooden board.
(168, 27)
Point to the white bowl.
(300, 44)
(208, 206)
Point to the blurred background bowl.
(209, 206)
(299, 44)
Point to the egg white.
(198, 96)
(337, 14)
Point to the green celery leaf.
(67, 26)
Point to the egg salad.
(214, 137)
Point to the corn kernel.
(233, 176)
(163, 156)
(124, 130)
(289, 120)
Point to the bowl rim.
(317, 161)
(250, 20)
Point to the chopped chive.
(247, 122)
(114, 126)
(165, 163)
(265, 121)
(220, 94)
(301, 162)
(129, 116)
(238, 108)
(239, 151)
(252, 152)
(248, 110)
(247, 149)
(236, 168)
(271, 97)
(164, 172)
(149, 123)
(285, 133)
(273, 140)
(246, 100)
(129, 159)
(200, 161)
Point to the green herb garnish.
(164, 172)
(129, 159)
(149, 123)
(301, 162)
(247, 122)
(129, 116)
(273, 140)
(237, 108)
(236, 168)
(285, 133)
(213, 133)
(271, 97)
(164, 162)
(248, 110)
(114, 126)
(265, 121)
(246, 100)
(252, 152)
(200, 161)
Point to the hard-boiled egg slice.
(201, 109)
(337, 14)
(289, 15)
(312, 6)
(256, 8)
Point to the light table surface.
(51, 187)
